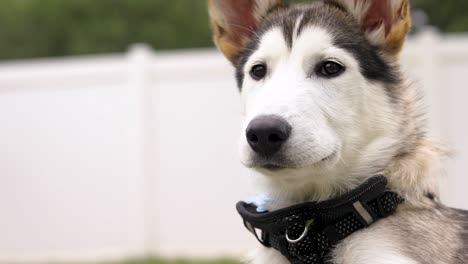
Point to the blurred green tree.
(448, 16)
(42, 28)
(32, 28)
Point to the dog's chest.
(360, 248)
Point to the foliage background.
(43, 28)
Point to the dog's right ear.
(234, 22)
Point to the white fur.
(370, 130)
(346, 114)
(371, 250)
(327, 115)
(360, 248)
(378, 246)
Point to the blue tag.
(260, 200)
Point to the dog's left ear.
(385, 22)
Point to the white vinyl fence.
(135, 154)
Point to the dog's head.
(321, 89)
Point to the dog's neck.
(412, 174)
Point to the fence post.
(140, 57)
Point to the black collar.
(305, 233)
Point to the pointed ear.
(385, 22)
(234, 22)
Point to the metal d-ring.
(304, 233)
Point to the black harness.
(306, 233)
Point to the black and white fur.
(365, 121)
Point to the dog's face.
(317, 82)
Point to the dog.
(325, 108)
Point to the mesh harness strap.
(305, 233)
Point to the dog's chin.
(279, 163)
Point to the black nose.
(266, 134)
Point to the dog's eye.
(330, 69)
(258, 71)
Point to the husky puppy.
(325, 108)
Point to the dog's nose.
(266, 134)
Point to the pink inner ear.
(241, 19)
(380, 11)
